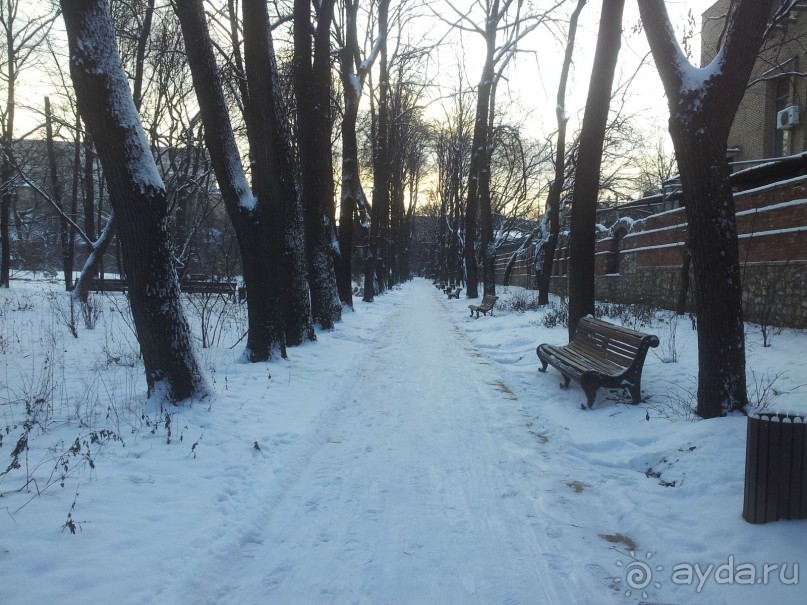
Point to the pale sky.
(534, 77)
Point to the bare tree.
(353, 72)
(489, 19)
(25, 27)
(139, 198)
(553, 199)
(587, 177)
(375, 263)
(273, 176)
(66, 232)
(277, 315)
(452, 158)
(312, 91)
(655, 165)
(703, 104)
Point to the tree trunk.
(553, 200)
(89, 187)
(81, 290)
(312, 88)
(6, 197)
(56, 195)
(712, 233)
(350, 191)
(353, 77)
(480, 167)
(587, 178)
(140, 54)
(276, 316)
(7, 169)
(138, 197)
(375, 266)
(74, 189)
(273, 176)
(702, 105)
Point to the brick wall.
(640, 261)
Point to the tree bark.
(138, 197)
(587, 177)
(81, 289)
(375, 265)
(353, 75)
(140, 54)
(312, 90)
(702, 106)
(273, 174)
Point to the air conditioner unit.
(788, 117)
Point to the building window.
(781, 136)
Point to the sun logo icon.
(639, 574)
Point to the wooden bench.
(485, 307)
(601, 354)
(199, 286)
(187, 286)
(453, 293)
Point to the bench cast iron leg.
(635, 392)
(565, 383)
(590, 385)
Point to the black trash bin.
(775, 468)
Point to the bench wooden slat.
(188, 286)
(618, 351)
(626, 340)
(592, 358)
(580, 364)
(600, 354)
(617, 358)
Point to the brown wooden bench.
(485, 307)
(601, 354)
(453, 293)
(187, 286)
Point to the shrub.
(521, 301)
(557, 314)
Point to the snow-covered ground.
(412, 455)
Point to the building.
(772, 118)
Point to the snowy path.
(424, 485)
(411, 456)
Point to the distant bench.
(600, 354)
(485, 307)
(188, 286)
(453, 292)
